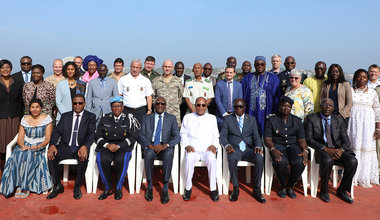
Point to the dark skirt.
(8, 130)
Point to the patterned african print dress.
(28, 169)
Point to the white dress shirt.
(134, 90)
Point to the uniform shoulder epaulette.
(207, 80)
(270, 115)
(189, 80)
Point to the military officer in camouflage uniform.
(197, 87)
(231, 61)
(115, 136)
(148, 71)
(170, 88)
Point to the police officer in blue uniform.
(115, 138)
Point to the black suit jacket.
(11, 103)
(18, 76)
(86, 130)
(231, 135)
(314, 132)
(170, 132)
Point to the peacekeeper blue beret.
(286, 99)
(260, 58)
(117, 99)
(89, 58)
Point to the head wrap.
(116, 99)
(286, 99)
(260, 58)
(89, 58)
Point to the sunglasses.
(117, 106)
(329, 105)
(290, 62)
(26, 64)
(259, 64)
(294, 78)
(161, 103)
(207, 68)
(78, 103)
(201, 105)
(238, 106)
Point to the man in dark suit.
(240, 137)
(115, 138)
(290, 64)
(327, 134)
(158, 135)
(226, 91)
(179, 68)
(25, 75)
(76, 129)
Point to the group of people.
(81, 104)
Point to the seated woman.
(284, 135)
(27, 168)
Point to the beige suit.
(344, 97)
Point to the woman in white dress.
(364, 129)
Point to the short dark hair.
(229, 66)
(28, 57)
(356, 75)
(64, 70)
(36, 100)
(178, 63)
(118, 60)
(79, 95)
(329, 74)
(39, 66)
(3, 62)
(150, 58)
(374, 66)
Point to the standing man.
(197, 87)
(158, 136)
(231, 61)
(76, 130)
(327, 134)
(207, 71)
(226, 91)
(118, 69)
(374, 71)
(290, 64)
(179, 68)
(137, 92)
(78, 60)
(57, 73)
(276, 64)
(242, 142)
(99, 92)
(25, 75)
(170, 88)
(246, 67)
(261, 92)
(148, 71)
(199, 138)
(314, 83)
(115, 138)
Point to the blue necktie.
(242, 143)
(26, 78)
(74, 135)
(158, 132)
(229, 103)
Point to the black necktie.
(328, 134)
(74, 135)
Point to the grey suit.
(98, 97)
(231, 135)
(170, 136)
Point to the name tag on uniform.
(190, 87)
(205, 88)
(123, 126)
(105, 125)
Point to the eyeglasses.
(207, 68)
(259, 64)
(294, 77)
(161, 103)
(290, 62)
(238, 106)
(201, 105)
(325, 104)
(78, 103)
(26, 64)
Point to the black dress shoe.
(291, 193)
(105, 194)
(214, 195)
(57, 189)
(165, 197)
(344, 196)
(281, 193)
(256, 193)
(235, 194)
(118, 194)
(149, 194)
(186, 195)
(324, 197)
(77, 192)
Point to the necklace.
(357, 90)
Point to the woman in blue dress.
(27, 167)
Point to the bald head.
(197, 70)
(57, 67)
(167, 67)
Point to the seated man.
(76, 130)
(115, 137)
(199, 137)
(332, 146)
(158, 135)
(242, 142)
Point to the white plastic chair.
(314, 175)
(227, 176)
(219, 172)
(140, 169)
(269, 172)
(88, 175)
(10, 146)
(130, 172)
